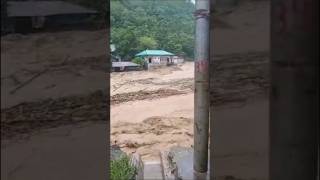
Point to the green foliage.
(138, 60)
(152, 24)
(122, 169)
(147, 43)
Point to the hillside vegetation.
(152, 24)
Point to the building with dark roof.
(27, 16)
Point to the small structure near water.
(125, 66)
(151, 58)
(155, 58)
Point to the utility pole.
(294, 94)
(201, 95)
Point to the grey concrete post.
(294, 89)
(201, 96)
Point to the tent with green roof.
(154, 53)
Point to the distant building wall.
(177, 60)
(156, 61)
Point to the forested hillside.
(137, 25)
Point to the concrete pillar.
(294, 89)
(201, 95)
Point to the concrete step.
(153, 170)
(178, 164)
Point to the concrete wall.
(243, 136)
(239, 106)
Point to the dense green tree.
(138, 60)
(147, 43)
(152, 24)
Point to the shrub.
(138, 60)
(122, 169)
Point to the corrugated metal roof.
(124, 64)
(154, 53)
(44, 8)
